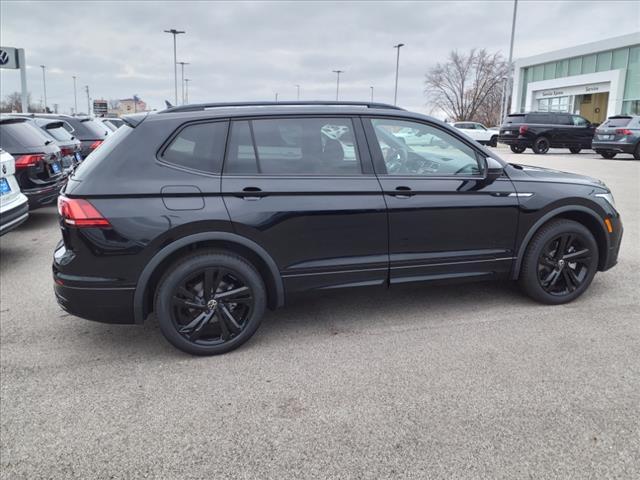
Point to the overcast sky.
(250, 51)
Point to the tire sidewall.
(529, 275)
(517, 148)
(192, 264)
(537, 144)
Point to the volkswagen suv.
(205, 215)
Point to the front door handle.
(402, 191)
(249, 191)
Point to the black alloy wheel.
(518, 148)
(608, 154)
(575, 150)
(494, 141)
(210, 303)
(560, 262)
(564, 264)
(636, 152)
(541, 145)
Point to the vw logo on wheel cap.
(4, 169)
(212, 304)
(4, 57)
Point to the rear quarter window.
(198, 146)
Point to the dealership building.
(596, 80)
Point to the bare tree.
(467, 85)
(114, 104)
(13, 103)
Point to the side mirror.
(494, 170)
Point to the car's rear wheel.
(608, 154)
(560, 262)
(518, 148)
(541, 145)
(575, 149)
(210, 303)
(636, 152)
(494, 141)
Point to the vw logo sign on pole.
(13, 58)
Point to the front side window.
(579, 121)
(292, 146)
(198, 147)
(428, 151)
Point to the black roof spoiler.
(134, 120)
(207, 106)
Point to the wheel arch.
(577, 213)
(230, 242)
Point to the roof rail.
(205, 106)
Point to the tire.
(494, 141)
(608, 154)
(562, 282)
(575, 150)
(541, 145)
(215, 333)
(518, 148)
(636, 152)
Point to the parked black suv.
(208, 214)
(88, 130)
(543, 130)
(38, 165)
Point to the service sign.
(9, 57)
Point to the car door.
(583, 131)
(446, 220)
(304, 189)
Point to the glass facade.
(621, 58)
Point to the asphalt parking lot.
(472, 381)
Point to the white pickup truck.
(480, 133)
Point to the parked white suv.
(14, 205)
(480, 133)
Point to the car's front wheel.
(608, 154)
(541, 145)
(494, 141)
(210, 303)
(575, 149)
(560, 262)
(518, 148)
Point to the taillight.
(80, 213)
(66, 151)
(25, 161)
(523, 129)
(96, 144)
(624, 131)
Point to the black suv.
(543, 130)
(38, 164)
(208, 214)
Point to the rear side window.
(617, 122)
(197, 147)
(540, 118)
(287, 146)
(19, 134)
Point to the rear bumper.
(93, 298)
(39, 197)
(13, 217)
(510, 140)
(613, 147)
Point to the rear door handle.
(249, 191)
(402, 191)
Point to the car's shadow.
(327, 313)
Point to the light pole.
(338, 72)
(175, 33)
(509, 66)
(395, 95)
(503, 93)
(186, 90)
(75, 97)
(86, 88)
(182, 64)
(44, 87)
(276, 97)
(371, 93)
(298, 94)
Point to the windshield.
(55, 129)
(95, 127)
(617, 122)
(18, 134)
